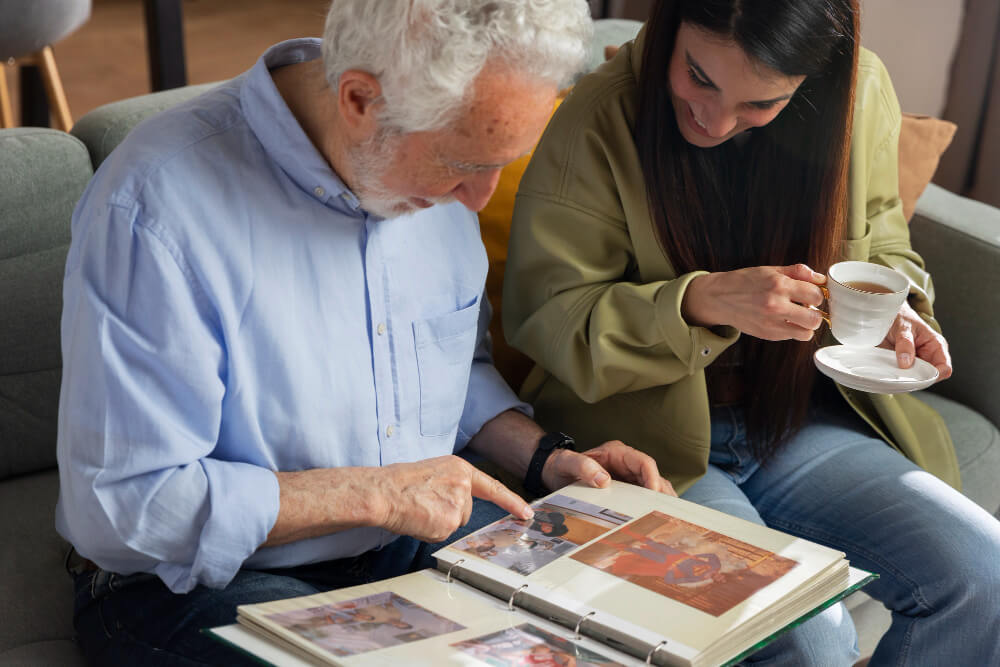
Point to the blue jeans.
(835, 483)
(136, 620)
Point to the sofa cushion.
(922, 140)
(977, 446)
(36, 594)
(42, 175)
(104, 128)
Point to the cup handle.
(824, 313)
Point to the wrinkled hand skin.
(598, 466)
(431, 499)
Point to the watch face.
(556, 440)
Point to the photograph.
(685, 562)
(365, 624)
(559, 526)
(530, 645)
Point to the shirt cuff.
(243, 504)
(489, 395)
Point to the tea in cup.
(863, 301)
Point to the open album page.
(644, 567)
(417, 619)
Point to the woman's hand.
(910, 335)
(598, 466)
(768, 302)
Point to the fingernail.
(905, 360)
(528, 514)
(601, 477)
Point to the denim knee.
(828, 639)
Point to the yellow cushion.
(494, 224)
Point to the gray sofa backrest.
(42, 175)
(104, 128)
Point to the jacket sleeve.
(875, 149)
(573, 298)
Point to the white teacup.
(864, 300)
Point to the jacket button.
(705, 351)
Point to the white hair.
(426, 54)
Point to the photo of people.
(560, 525)
(530, 645)
(365, 624)
(685, 562)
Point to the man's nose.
(476, 190)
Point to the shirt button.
(319, 191)
(380, 328)
(389, 430)
(705, 351)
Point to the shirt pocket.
(445, 346)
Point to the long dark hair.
(779, 199)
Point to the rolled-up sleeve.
(488, 394)
(140, 413)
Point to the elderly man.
(274, 335)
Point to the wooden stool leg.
(6, 111)
(54, 89)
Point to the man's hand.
(430, 499)
(910, 335)
(598, 466)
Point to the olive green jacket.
(591, 297)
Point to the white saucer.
(873, 369)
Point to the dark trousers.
(137, 620)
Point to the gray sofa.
(43, 173)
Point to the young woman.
(690, 191)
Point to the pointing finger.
(488, 488)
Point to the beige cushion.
(922, 140)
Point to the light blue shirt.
(230, 311)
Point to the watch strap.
(547, 444)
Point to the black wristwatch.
(547, 444)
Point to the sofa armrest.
(960, 240)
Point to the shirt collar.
(279, 132)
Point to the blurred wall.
(916, 40)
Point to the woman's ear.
(610, 51)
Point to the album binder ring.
(510, 602)
(579, 623)
(447, 578)
(652, 652)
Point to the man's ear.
(359, 96)
(610, 51)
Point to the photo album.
(616, 576)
